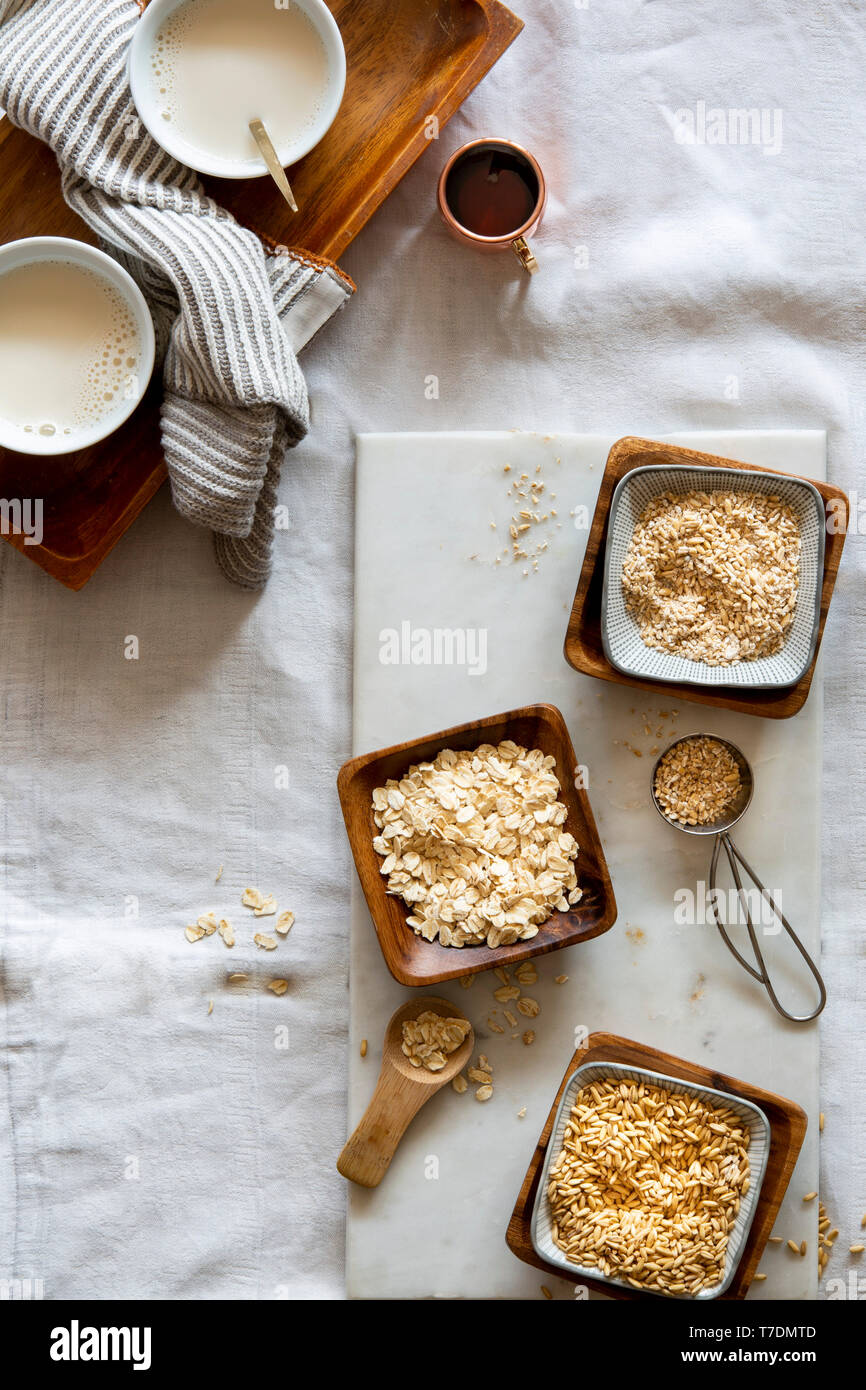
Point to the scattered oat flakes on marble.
(194, 933)
(284, 923)
(226, 931)
(484, 1092)
(265, 942)
(251, 897)
(266, 907)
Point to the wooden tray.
(411, 959)
(407, 61)
(788, 1129)
(583, 645)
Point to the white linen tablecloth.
(148, 1148)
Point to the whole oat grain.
(647, 1185)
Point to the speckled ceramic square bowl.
(759, 1150)
(620, 634)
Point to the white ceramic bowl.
(620, 634)
(172, 141)
(54, 248)
(759, 1152)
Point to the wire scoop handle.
(736, 861)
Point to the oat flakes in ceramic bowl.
(713, 576)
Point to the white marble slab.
(436, 1226)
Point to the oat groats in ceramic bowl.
(650, 1183)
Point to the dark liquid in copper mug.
(492, 191)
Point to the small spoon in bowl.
(272, 159)
(400, 1092)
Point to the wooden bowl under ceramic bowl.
(585, 646)
(621, 638)
(411, 959)
(787, 1129)
(753, 1119)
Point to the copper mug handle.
(525, 255)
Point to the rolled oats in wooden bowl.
(713, 576)
(649, 1183)
(476, 846)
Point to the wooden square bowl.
(411, 959)
(584, 649)
(787, 1131)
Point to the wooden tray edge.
(74, 571)
(503, 28)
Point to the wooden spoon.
(400, 1092)
(272, 159)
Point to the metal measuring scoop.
(720, 830)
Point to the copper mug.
(479, 207)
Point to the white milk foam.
(219, 64)
(69, 349)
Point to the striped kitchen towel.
(229, 317)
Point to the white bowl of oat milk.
(76, 345)
(201, 70)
